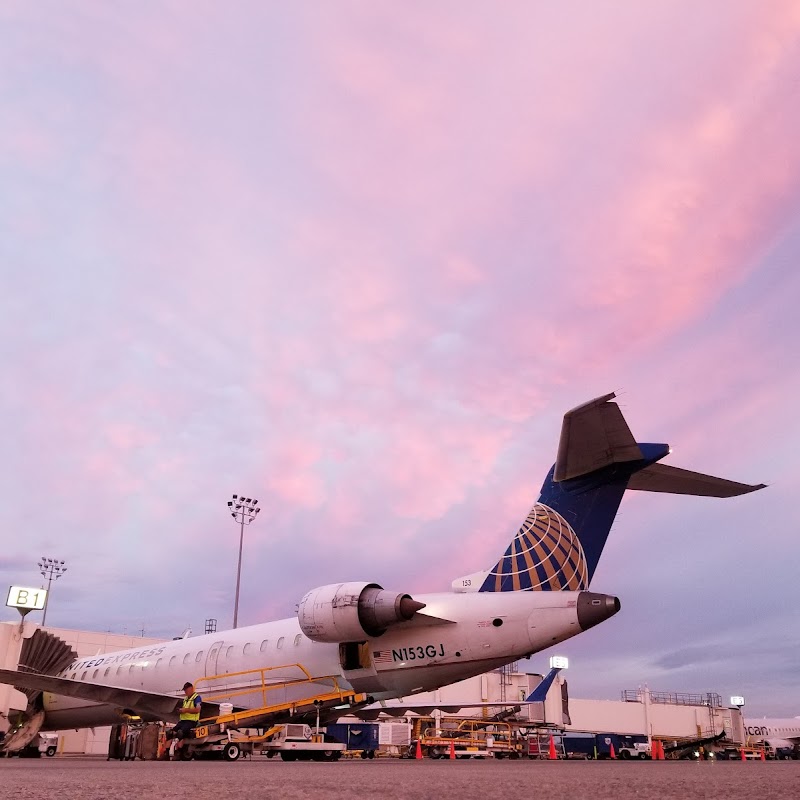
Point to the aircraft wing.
(162, 706)
(374, 712)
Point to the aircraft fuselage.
(457, 637)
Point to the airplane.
(384, 644)
(777, 733)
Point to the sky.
(356, 260)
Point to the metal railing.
(298, 693)
(709, 699)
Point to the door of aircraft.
(212, 658)
(358, 667)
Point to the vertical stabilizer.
(560, 542)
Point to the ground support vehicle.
(43, 744)
(733, 753)
(786, 753)
(236, 732)
(295, 742)
(466, 737)
(626, 746)
(694, 748)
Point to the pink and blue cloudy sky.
(356, 259)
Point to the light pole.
(50, 568)
(243, 510)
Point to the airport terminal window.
(246, 649)
(280, 643)
(297, 639)
(264, 645)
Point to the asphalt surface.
(394, 779)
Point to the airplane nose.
(593, 608)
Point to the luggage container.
(356, 737)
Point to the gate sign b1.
(25, 597)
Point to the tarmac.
(394, 779)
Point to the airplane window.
(246, 649)
(297, 639)
(83, 677)
(73, 675)
(130, 668)
(186, 658)
(94, 674)
(108, 669)
(280, 643)
(199, 656)
(158, 662)
(229, 652)
(119, 670)
(173, 660)
(264, 645)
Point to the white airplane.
(776, 732)
(385, 644)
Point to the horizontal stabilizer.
(594, 435)
(664, 478)
(161, 706)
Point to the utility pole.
(50, 568)
(243, 510)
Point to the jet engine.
(352, 612)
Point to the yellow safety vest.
(188, 710)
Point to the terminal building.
(83, 643)
(640, 712)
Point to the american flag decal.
(382, 657)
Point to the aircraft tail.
(560, 543)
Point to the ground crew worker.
(189, 716)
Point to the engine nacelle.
(352, 612)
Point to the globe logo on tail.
(546, 555)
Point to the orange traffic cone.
(654, 750)
(551, 754)
(452, 749)
(662, 756)
(611, 753)
(744, 757)
(763, 758)
(418, 754)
